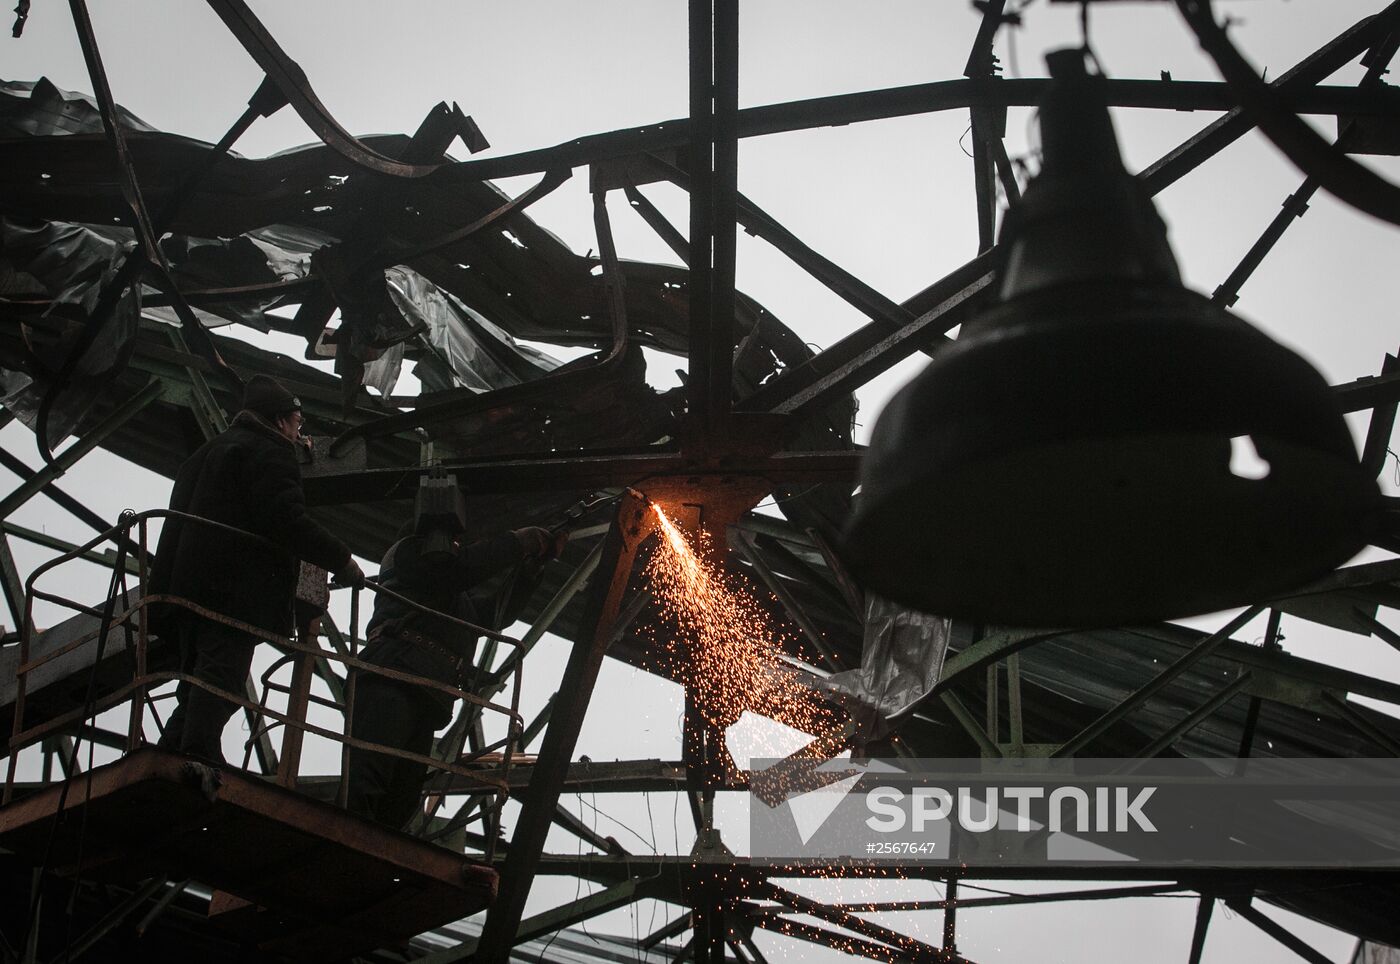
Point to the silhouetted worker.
(247, 478)
(434, 568)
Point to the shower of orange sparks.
(721, 643)
(723, 646)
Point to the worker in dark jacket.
(247, 478)
(433, 567)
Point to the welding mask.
(439, 516)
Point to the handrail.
(137, 690)
(140, 517)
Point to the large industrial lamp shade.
(1103, 446)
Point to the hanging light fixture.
(1103, 446)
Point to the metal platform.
(326, 884)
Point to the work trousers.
(220, 656)
(385, 788)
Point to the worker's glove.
(540, 543)
(350, 574)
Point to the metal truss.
(1003, 692)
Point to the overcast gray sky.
(891, 201)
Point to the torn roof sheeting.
(306, 228)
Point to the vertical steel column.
(1013, 703)
(10, 582)
(950, 918)
(569, 707)
(986, 124)
(709, 900)
(1378, 433)
(135, 734)
(713, 162)
(993, 701)
(1251, 719)
(1198, 935)
(725, 201)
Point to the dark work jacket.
(248, 478)
(443, 586)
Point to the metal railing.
(133, 620)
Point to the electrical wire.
(605, 816)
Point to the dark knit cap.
(267, 397)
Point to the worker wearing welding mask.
(435, 567)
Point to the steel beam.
(1192, 720)
(114, 918)
(988, 650)
(619, 776)
(838, 280)
(843, 918)
(982, 64)
(713, 163)
(1251, 719)
(872, 349)
(147, 254)
(664, 229)
(162, 904)
(106, 557)
(1380, 629)
(208, 414)
(555, 919)
(1010, 900)
(296, 89)
(65, 501)
(984, 132)
(1292, 83)
(1013, 704)
(570, 707)
(839, 110)
(1378, 433)
(747, 549)
(675, 928)
(1363, 725)
(869, 950)
(950, 916)
(1198, 934)
(1131, 702)
(1277, 931)
(581, 830)
(12, 585)
(968, 722)
(550, 473)
(1294, 207)
(1311, 674)
(89, 440)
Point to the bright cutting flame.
(721, 643)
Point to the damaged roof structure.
(145, 275)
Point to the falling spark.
(722, 644)
(718, 641)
